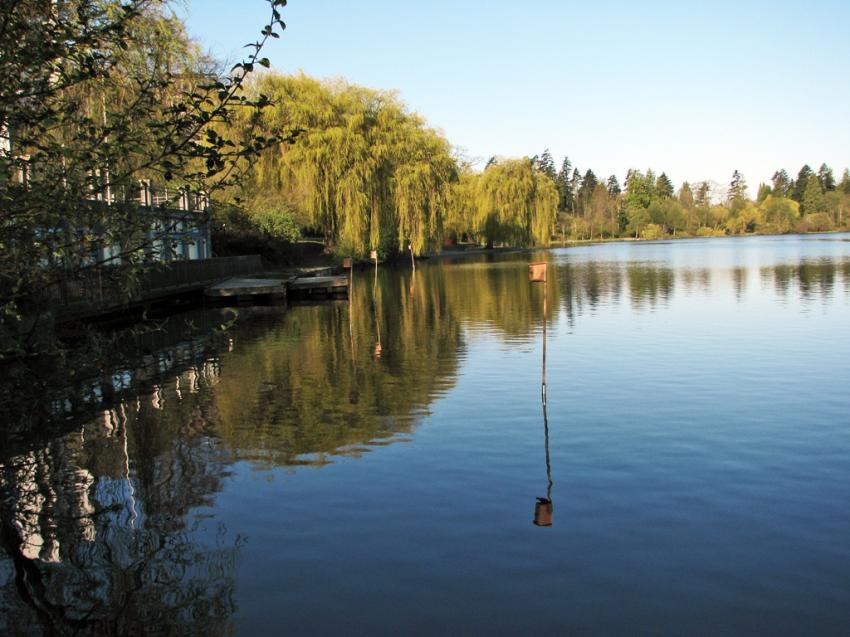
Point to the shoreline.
(478, 251)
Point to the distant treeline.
(365, 173)
(648, 206)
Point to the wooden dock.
(312, 286)
(97, 296)
(247, 289)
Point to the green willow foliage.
(370, 175)
(363, 170)
(511, 203)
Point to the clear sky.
(695, 89)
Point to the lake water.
(374, 467)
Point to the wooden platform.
(244, 287)
(298, 272)
(96, 297)
(247, 289)
(319, 285)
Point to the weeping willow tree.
(365, 172)
(511, 203)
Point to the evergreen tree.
(622, 218)
(702, 198)
(585, 191)
(565, 189)
(813, 199)
(801, 183)
(640, 190)
(546, 165)
(737, 187)
(781, 183)
(491, 162)
(589, 181)
(764, 192)
(663, 186)
(826, 178)
(613, 186)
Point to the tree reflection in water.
(809, 280)
(96, 537)
(100, 517)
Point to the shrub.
(653, 231)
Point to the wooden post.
(545, 305)
(537, 273)
(348, 264)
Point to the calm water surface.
(373, 467)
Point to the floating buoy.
(537, 272)
(543, 512)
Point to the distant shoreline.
(477, 251)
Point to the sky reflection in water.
(294, 478)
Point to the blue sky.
(694, 89)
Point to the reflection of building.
(93, 531)
(188, 359)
